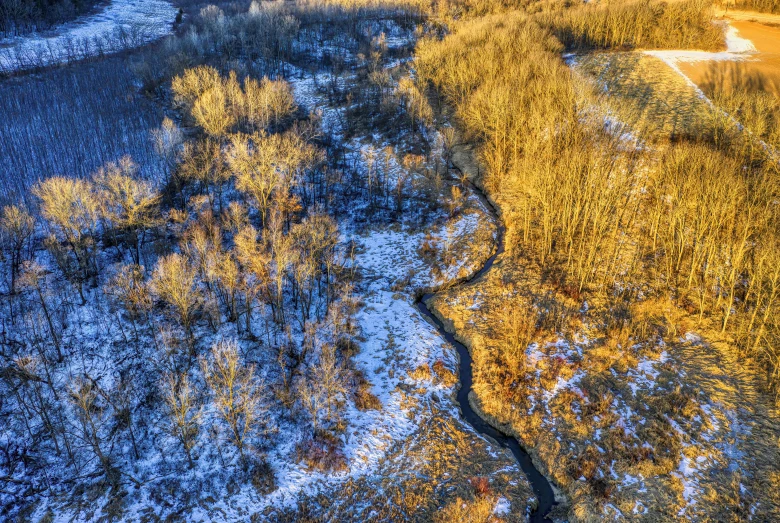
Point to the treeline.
(266, 39)
(24, 16)
(762, 6)
(637, 25)
(697, 222)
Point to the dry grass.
(579, 432)
(430, 469)
(322, 453)
(364, 398)
(443, 375)
(647, 96)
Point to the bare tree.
(91, 414)
(203, 163)
(33, 277)
(323, 389)
(269, 166)
(188, 87)
(167, 140)
(267, 103)
(17, 228)
(212, 112)
(238, 397)
(185, 415)
(174, 282)
(72, 211)
(130, 205)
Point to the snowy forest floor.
(404, 460)
(120, 25)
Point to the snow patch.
(502, 507)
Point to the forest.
(23, 16)
(216, 246)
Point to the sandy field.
(758, 72)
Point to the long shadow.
(541, 487)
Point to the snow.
(686, 473)
(414, 341)
(502, 507)
(646, 373)
(121, 25)
(737, 44)
(392, 254)
(562, 384)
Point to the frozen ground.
(396, 343)
(122, 24)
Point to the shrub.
(323, 453)
(364, 398)
(444, 375)
(421, 373)
(481, 486)
(261, 475)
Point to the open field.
(758, 72)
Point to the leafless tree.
(237, 396)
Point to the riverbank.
(547, 496)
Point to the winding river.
(541, 487)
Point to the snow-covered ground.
(396, 342)
(123, 24)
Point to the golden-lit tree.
(72, 211)
(236, 394)
(130, 205)
(174, 282)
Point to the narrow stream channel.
(541, 487)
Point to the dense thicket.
(698, 221)
(631, 25)
(763, 6)
(72, 121)
(618, 242)
(23, 16)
